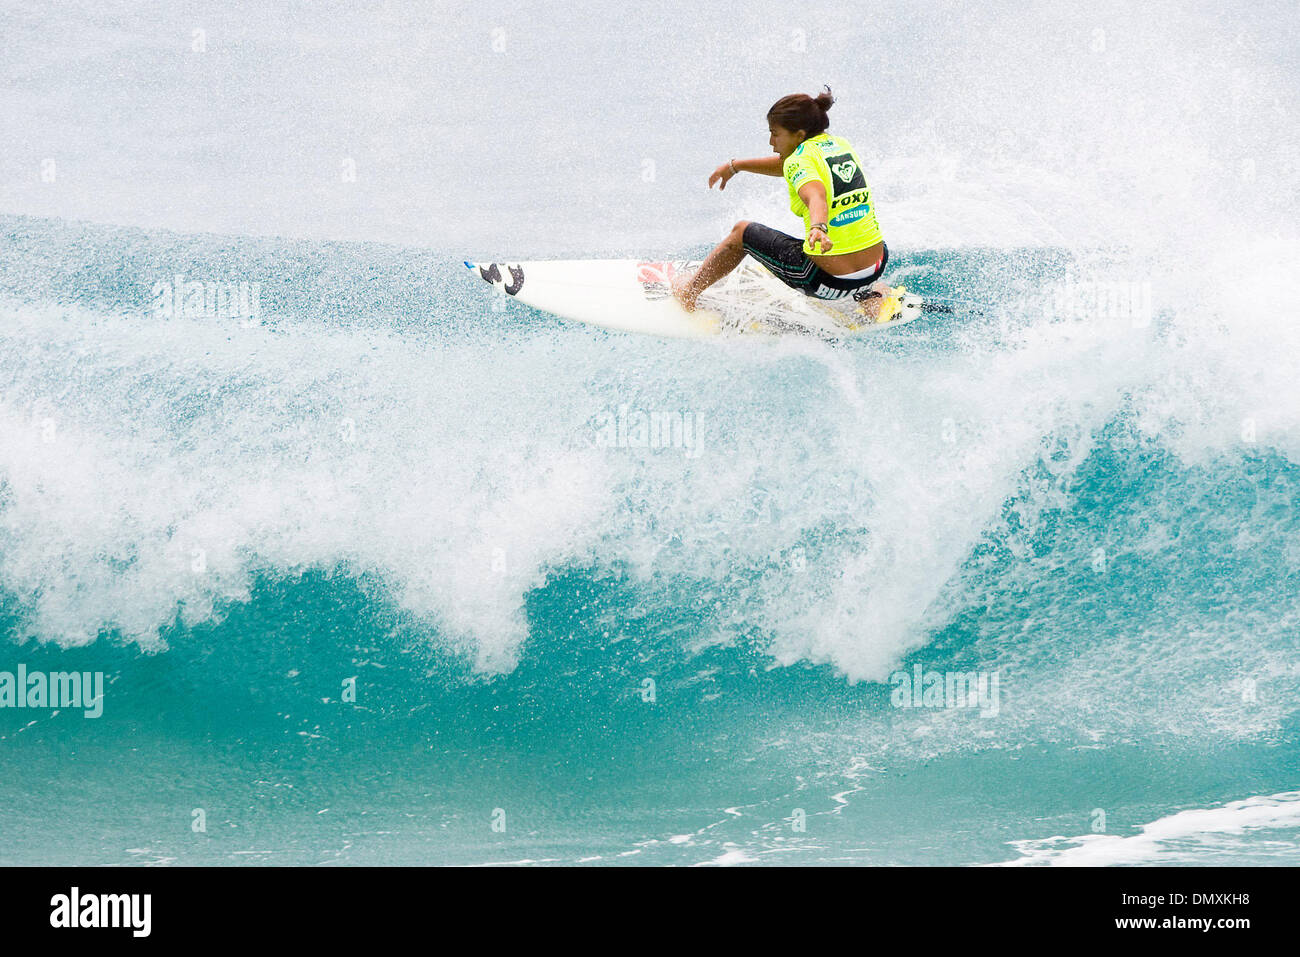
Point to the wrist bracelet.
(733, 167)
(824, 227)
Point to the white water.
(1260, 829)
(1078, 129)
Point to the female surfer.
(843, 253)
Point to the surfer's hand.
(817, 238)
(722, 173)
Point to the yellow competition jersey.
(850, 212)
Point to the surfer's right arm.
(767, 165)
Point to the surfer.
(842, 253)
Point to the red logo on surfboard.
(654, 272)
(656, 279)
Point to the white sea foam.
(840, 491)
(1262, 828)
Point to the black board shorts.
(783, 256)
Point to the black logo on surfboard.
(492, 273)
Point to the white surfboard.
(636, 296)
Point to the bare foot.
(682, 291)
(869, 305)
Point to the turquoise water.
(369, 578)
(383, 479)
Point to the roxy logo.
(847, 172)
(57, 689)
(102, 910)
(946, 689)
(860, 196)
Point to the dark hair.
(799, 111)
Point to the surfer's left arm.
(814, 197)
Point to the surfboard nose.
(487, 272)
